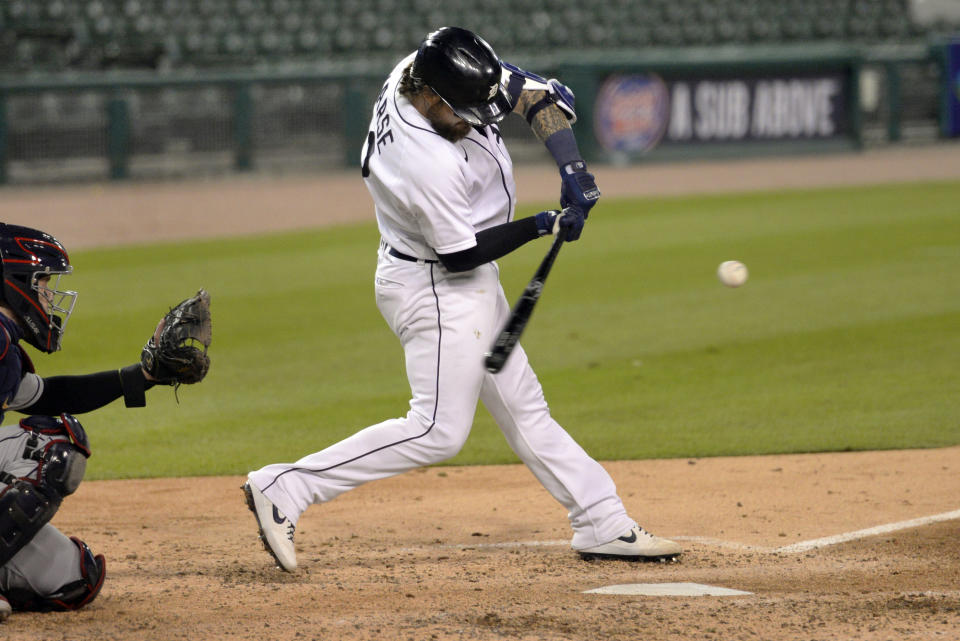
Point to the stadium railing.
(87, 126)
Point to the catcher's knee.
(72, 595)
(60, 448)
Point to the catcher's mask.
(32, 263)
(465, 72)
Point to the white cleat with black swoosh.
(276, 530)
(635, 545)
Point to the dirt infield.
(482, 552)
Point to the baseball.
(732, 273)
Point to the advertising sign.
(632, 112)
(953, 89)
(636, 113)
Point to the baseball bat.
(520, 315)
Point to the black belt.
(393, 252)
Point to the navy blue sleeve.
(80, 394)
(493, 243)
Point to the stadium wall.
(660, 104)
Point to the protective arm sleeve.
(79, 394)
(492, 243)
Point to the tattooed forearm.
(549, 121)
(546, 121)
(526, 100)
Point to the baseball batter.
(444, 195)
(43, 458)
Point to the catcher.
(43, 458)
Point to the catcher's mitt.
(177, 351)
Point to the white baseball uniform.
(432, 196)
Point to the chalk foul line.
(793, 548)
(805, 546)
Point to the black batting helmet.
(465, 72)
(26, 256)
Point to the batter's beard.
(453, 133)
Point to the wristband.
(562, 145)
(134, 385)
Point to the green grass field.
(846, 336)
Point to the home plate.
(666, 589)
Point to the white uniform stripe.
(503, 179)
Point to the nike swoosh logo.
(625, 539)
(276, 516)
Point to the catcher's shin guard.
(60, 448)
(24, 509)
(71, 596)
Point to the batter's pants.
(445, 322)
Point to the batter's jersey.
(431, 195)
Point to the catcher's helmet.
(26, 256)
(465, 72)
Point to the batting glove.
(572, 219)
(578, 188)
(551, 221)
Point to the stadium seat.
(89, 34)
